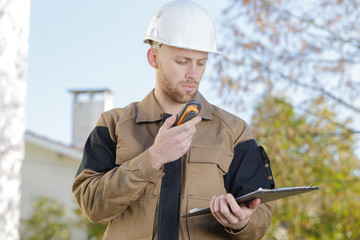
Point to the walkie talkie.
(190, 110)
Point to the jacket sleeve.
(104, 189)
(246, 174)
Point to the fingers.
(172, 142)
(187, 125)
(183, 133)
(233, 204)
(254, 203)
(221, 211)
(229, 213)
(242, 211)
(192, 122)
(169, 121)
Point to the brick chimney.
(87, 107)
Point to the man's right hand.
(172, 142)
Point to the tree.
(52, 220)
(49, 220)
(307, 49)
(14, 32)
(305, 149)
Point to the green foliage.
(307, 149)
(309, 51)
(50, 220)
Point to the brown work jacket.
(117, 184)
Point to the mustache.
(190, 82)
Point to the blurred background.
(291, 69)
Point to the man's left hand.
(230, 214)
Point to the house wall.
(45, 172)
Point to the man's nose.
(192, 72)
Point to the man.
(141, 175)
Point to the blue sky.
(86, 45)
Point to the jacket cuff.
(144, 166)
(258, 224)
(245, 233)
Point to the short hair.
(153, 43)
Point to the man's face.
(179, 72)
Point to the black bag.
(266, 162)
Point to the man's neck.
(167, 104)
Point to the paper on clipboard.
(265, 195)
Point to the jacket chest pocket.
(206, 170)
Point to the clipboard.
(265, 195)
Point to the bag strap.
(266, 162)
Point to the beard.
(175, 92)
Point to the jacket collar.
(149, 110)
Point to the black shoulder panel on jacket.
(246, 172)
(99, 152)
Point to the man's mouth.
(189, 86)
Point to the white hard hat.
(183, 24)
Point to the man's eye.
(181, 62)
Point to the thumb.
(254, 203)
(169, 121)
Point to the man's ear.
(152, 58)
